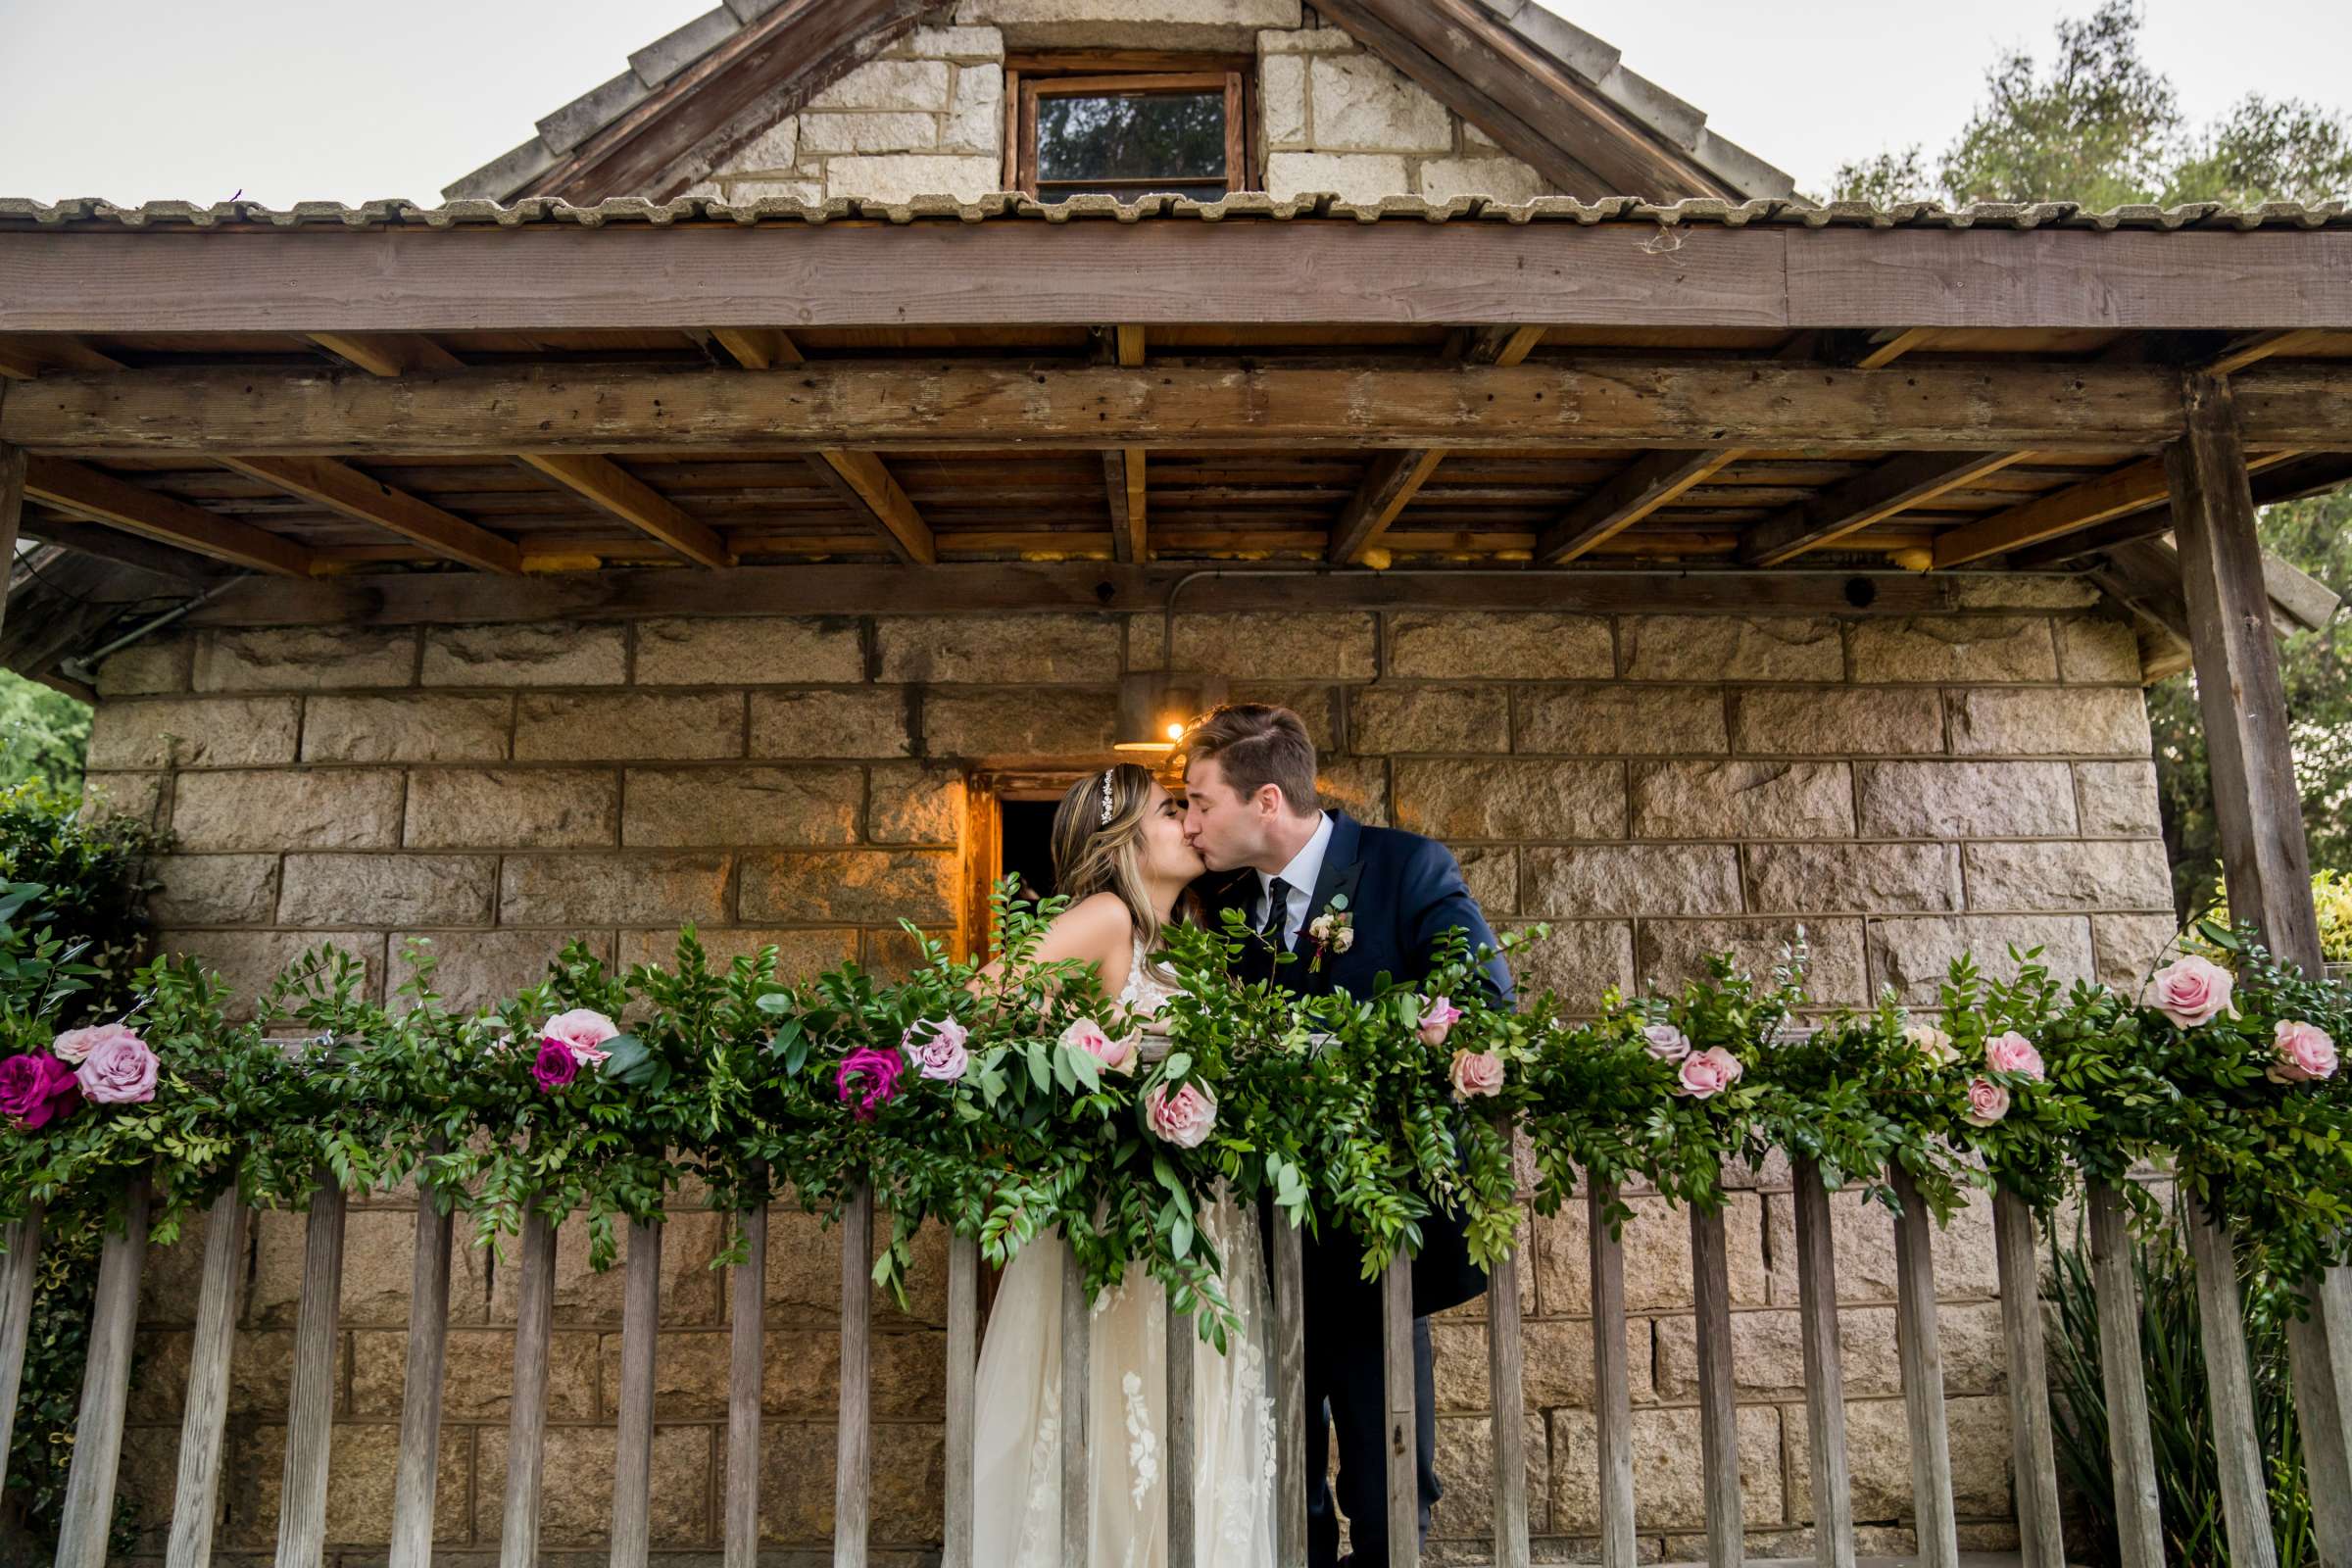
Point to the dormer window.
(1086, 129)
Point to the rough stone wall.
(1655, 786)
(927, 116)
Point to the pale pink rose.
(2191, 991)
(1438, 1015)
(119, 1070)
(937, 1048)
(75, 1046)
(2305, 1053)
(1987, 1101)
(1666, 1042)
(2011, 1052)
(1116, 1056)
(1182, 1118)
(582, 1030)
(1705, 1074)
(1932, 1042)
(1475, 1072)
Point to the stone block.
(977, 122)
(484, 968)
(2129, 946)
(868, 131)
(1502, 179)
(1027, 724)
(1466, 1462)
(1363, 179)
(359, 1485)
(687, 807)
(910, 804)
(916, 84)
(1933, 800)
(801, 1372)
(800, 954)
(587, 1296)
(575, 1509)
(2092, 649)
(1669, 953)
(890, 953)
(1877, 1448)
(796, 1496)
(2090, 875)
(804, 1275)
(194, 732)
(2050, 721)
(1500, 645)
(628, 726)
(2117, 798)
(1000, 650)
(1166, 24)
(1359, 787)
(1634, 879)
(1282, 99)
(1318, 707)
(852, 887)
(478, 1384)
(1363, 104)
(764, 650)
(870, 722)
(1741, 800)
(1853, 878)
(1512, 798)
(1307, 646)
(904, 176)
(137, 796)
(527, 654)
(1768, 1358)
(1621, 720)
(1656, 1239)
(431, 727)
(1306, 40)
(1493, 876)
(632, 888)
(1667, 1478)
(513, 808)
(304, 659)
(1739, 648)
(1384, 720)
(389, 890)
(1955, 649)
(774, 150)
(379, 1247)
(333, 808)
(1913, 953)
(2020, 590)
(949, 43)
(1838, 721)
(1577, 962)
(249, 960)
(811, 192)
(1558, 1367)
(161, 664)
(212, 889)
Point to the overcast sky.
(288, 100)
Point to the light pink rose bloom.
(937, 1048)
(2191, 991)
(1705, 1074)
(1665, 1041)
(119, 1070)
(1477, 1072)
(1182, 1118)
(2305, 1053)
(1932, 1042)
(75, 1046)
(1438, 1015)
(1115, 1055)
(1987, 1101)
(2011, 1052)
(582, 1030)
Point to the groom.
(1251, 812)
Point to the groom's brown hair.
(1256, 744)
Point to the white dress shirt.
(1305, 867)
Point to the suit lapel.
(1343, 868)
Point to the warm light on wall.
(1155, 712)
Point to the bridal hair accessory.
(1104, 820)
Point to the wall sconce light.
(1155, 710)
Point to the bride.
(1120, 854)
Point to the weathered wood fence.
(302, 1527)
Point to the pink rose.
(2191, 991)
(1475, 1072)
(75, 1046)
(1115, 1055)
(36, 1090)
(2305, 1053)
(119, 1070)
(1987, 1101)
(1438, 1015)
(1665, 1041)
(1932, 1042)
(868, 1078)
(555, 1066)
(1705, 1074)
(1182, 1118)
(2011, 1052)
(939, 1055)
(581, 1032)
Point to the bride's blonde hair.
(1099, 848)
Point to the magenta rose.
(2191, 991)
(1115, 1055)
(1475, 1072)
(1438, 1015)
(868, 1079)
(75, 1046)
(1987, 1101)
(1182, 1118)
(36, 1090)
(554, 1067)
(120, 1071)
(583, 1032)
(937, 1048)
(2305, 1053)
(2011, 1052)
(1705, 1074)
(1665, 1041)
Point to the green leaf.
(627, 1061)
(1178, 1066)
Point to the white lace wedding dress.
(1017, 1469)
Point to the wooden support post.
(88, 1514)
(196, 1495)
(1718, 1429)
(2230, 1385)
(633, 1441)
(1397, 1383)
(854, 1453)
(1506, 1400)
(1825, 1380)
(1183, 1453)
(18, 1275)
(416, 1483)
(2123, 1375)
(1921, 1353)
(1612, 1389)
(1290, 1396)
(526, 1422)
(963, 1395)
(317, 1374)
(747, 1314)
(12, 516)
(1077, 1463)
(2032, 1449)
(2319, 1350)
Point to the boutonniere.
(1333, 931)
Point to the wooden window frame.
(1028, 78)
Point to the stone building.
(1823, 671)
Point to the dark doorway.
(1025, 844)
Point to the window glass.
(1127, 143)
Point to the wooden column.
(317, 1374)
(2229, 1384)
(1824, 1378)
(2031, 1450)
(1183, 1453)
(1290, 1396)
(196, 1494)
(88, 1513)
(854, 1453)
(747, 1328)
(1920, 1349)
(18, 1275)
(962, 1413)
(1506, 1399)
(527, 1421)
(2123, 1375)
(11, 514)
(1612, 1388)
(1718, 1416)
(1077, 1471)
(416, 1482)
(2265, 861)
(1396, 1384)
(633, 1438)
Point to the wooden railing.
(301, 1519)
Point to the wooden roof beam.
(388, 352)
(1636, 491)
(608, 488)
(24, 357)
(1872, 495)
(1125, 471)
(2113, 493)
(86, 493)
(2256, 347)
(343, 489)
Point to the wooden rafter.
(1125, 472)
(22, 359)
(1636, 491)
(2315, 473)
(2256, 347)
(1870, 497)
(388, 352)
(606, 485)
(1885, 348)
(343, 489)
(2113, 493)
(122, 548)
(86, 493)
